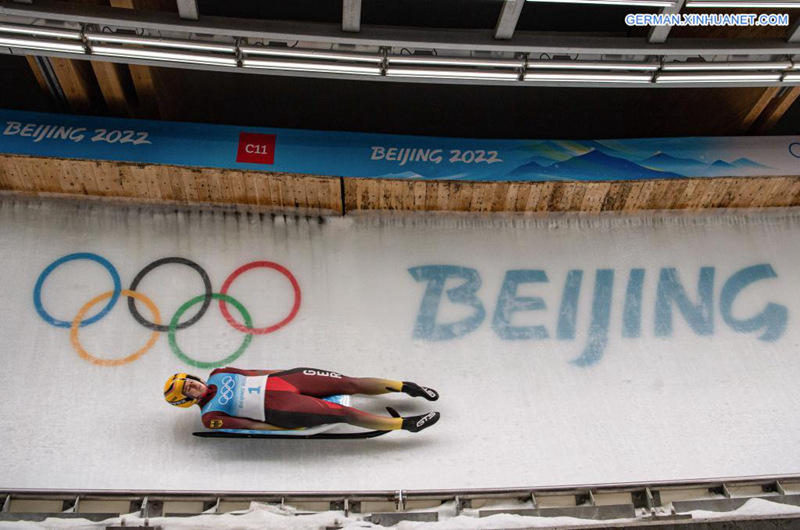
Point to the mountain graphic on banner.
(689, 167)
(592, 165)
(682, 166)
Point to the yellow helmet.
(173, 390)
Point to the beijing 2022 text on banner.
(393, 156)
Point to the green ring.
(173, 325)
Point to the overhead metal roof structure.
(324, 49)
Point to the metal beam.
(143, 64)
(658, 34)
(187, 9)
(509, 16)
(351, 16)
(484, 40)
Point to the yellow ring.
(76, 322)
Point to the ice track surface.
(567, 349)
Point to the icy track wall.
(567, 349)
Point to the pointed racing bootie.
(418, 423)
(415, 390)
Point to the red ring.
(269, 329)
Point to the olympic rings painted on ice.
(173, 325)
(113, 362)
(37, 290)
(155, 325)
(157, 263)
(269, 329)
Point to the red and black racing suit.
(292, 400)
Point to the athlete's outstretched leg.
(292, 410)
(321, 383)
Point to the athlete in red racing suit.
(292, 399)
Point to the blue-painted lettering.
(772, 319)
(509, 303)
(568, 312)
(700, 316)
(426, 327)
(632, 312)
(601, 317)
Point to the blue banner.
(345, 154)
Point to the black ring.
(163, 261)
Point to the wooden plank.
(658, 198)
(764, 195)
(15, 175)
(70, 182)
(407, 202)
(478, 197)
(431, 195)
(780, 192)
(443, 196)
(384, 194)
(531, 202)
(336, 195)
(79, 85)
(420, 189)
(558, 197)
(299, 194)
(639, 196)
(143, 78)
(174, 186)
(5, 168)
(775, 110)
(703, 199)
(244, 192)
(101, 178)
(758, 107)
(744, 190)
(461, 196)
(350, 190)
(373, 191)
(312, 192)
(257, 188)
(499, 190)
(594, 197)
(37, 73)
(149, 179)
(545, 196)
(276, 192)
(191, 188)
(793, 195)
(617, 196)
(398, 192)
(115, 85)
(577, 193)
(25, 169)
(362, 194)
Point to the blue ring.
(791, 152)
(37, 291)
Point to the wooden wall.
(161, 183)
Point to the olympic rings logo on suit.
(155, 324)
(226, 392)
